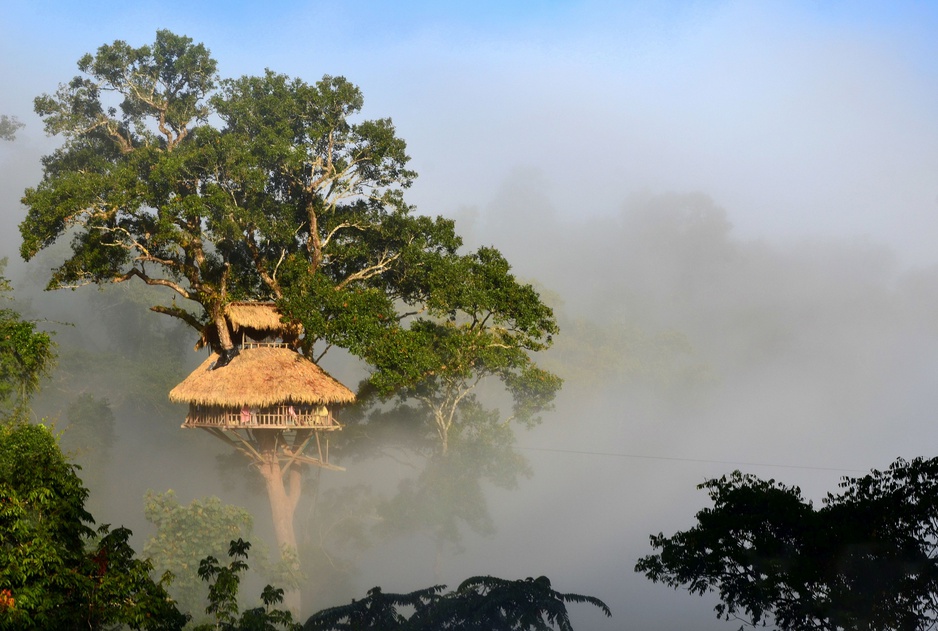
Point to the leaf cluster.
(9, 125)
(479, 321)
(480, 603)
(26, 354)
(864, 559)
(224, 583)
(479, 328)
(56, 570)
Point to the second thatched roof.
(254, 320)
(262, 316)
(261, 376)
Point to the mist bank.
(687, 351)
(797, 359)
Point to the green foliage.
(44, 523)
(185, 535)
(9, 126)
(55, 569)
(864, 560)
(224, 581)
(483, 324)
(272, 188)
(124, 591)
(26, 355)
(379, 610)
(481, 603)
(293, 198)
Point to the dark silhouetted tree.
(864, 560)
(481, 603)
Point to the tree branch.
(179, 312)
(368, 272)
(159, 282)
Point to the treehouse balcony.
(265, 399)
(264, 386)
(296, 416)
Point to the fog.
(731, 208)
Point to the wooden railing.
(281, 416)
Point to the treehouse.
(266, 398)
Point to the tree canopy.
(866, 559)
(185, 534)
(272, 188)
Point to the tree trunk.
(221, 325)
(283, 500)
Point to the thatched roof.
(261, 316)
(261, 376)
(257, 319)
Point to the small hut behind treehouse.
(266, 394)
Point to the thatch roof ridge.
(263, 316)
(258, 319)
(261, 376)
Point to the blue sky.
(801, 118)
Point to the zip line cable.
(726, 462)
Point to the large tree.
(146, 187)
(271, 188)
(865, 559)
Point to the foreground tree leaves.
(56, 571)
(863, 560)
(224, 582)
(481, 603)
